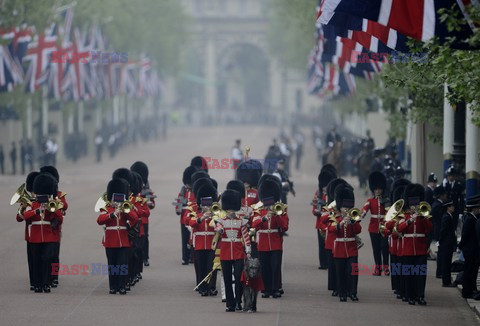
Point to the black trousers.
(235, 267)
(470, 271)
(332, 274)
(117, 257)
(30, 263)
(401, 279)
(322, 257)
(346, 282)
(380, 250)
(415, 282)
(270, 262)
(186, 254)
(140, 250)
(42, 254)
(55, 259)
(444, 263)
(131, 260)
(393, 276)
(204, 262)
(146, 243)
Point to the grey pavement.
(165, 296)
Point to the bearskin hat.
(250, 172)
(397, 194)
(413, 194)
(187, 175)
(331, 188)
(45, 184)
(50, 170)
(117, 186)
(200, 163)
(377, 180)
(272, 178)
(344, 197)
(123, 173)
(215, 183)
(142, 169)
(231, 200)
(330, 168)
(206, 190)
(269, 188)
(137, 183)
(238, 186)
(29, 182)
(198, 175)
(324, 178)
(199, 183)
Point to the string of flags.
(72, 63)
(355, 40)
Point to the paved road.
(165, 296)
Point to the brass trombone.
(279, 208)
(216, 208)
(126, 207)
(54, 204)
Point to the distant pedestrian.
(99, 146)
(13, 158)
(2, 160)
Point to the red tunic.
(116, 235)
(392, 237)
(202, 232)
(345, 245)
(184, 217)
(329, 236)
(21, 219)
(143, 211)
(40, 229)
(269, 233)
(414, 240)
(377, 209)
(251, 197)
(318, 224)
(234, 238)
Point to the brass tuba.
(424, 209)
(395, 210)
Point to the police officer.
(431, 185)
(448, 242)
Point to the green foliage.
(291, 31)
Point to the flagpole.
(29, 117)
(44, 111)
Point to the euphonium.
(21, 196)
(101, 202)
(424, 209)
(394, 210)
(279, 208)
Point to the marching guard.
(377, 182)
(44, 216)
(235, 242)
(270, 221)
(345, 251)
(185, 196)
(114, 217)
(414, 230)
(318, 203)
(203, 234)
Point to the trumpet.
(279, 208)
(54, 205)
(423, 209)
(354, 214)
(125, 207)
(216, 208)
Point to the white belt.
(116, 228)
(269, 231)
(344, 239)
(41, 223)
(377, 216)
(204, 233)
(231, 240)
(414, 235)
(186, 207)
